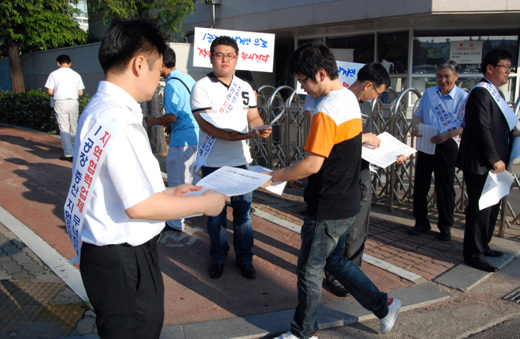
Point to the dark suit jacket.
(486, 136)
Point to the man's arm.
(163, 120)
(254, 119)
(50, 92)
(308, 166)
(170, 204)
(442, 137)
(80, 92)
(370, 139)
(415, 124)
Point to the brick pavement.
(34, 302)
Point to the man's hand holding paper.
(388, 152)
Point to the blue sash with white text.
(227, 107)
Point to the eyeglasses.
(225, 56)
(509, 68)
(302, 82)
(375, 89)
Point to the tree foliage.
(167, 14)
(39, 24)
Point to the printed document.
(424, 143)
(388, 152)
(496, 187)
(227, 121)
(277, 187)
(231, 181)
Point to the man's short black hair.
(310, 57)
(493, 57)
(169, 58)
(128, 38)
(63, 59)
(374, 72)
(223, 40)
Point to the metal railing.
(392, 185)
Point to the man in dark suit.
(485, 146)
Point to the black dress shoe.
(419, 228)
(216, 270)
(248, 271)
(483, 265)
(64, 158)
(334, 286)
(445, 236)
(493, 253)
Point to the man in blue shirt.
(440, 107)
(184, 137)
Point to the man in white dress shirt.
(117, 201)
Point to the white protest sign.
(255, 50)
(466, 52)
(347, 74)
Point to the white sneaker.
(393, 309)
(289, 335)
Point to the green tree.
(29, 25)
(167, 14)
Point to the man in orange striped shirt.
(332, 165)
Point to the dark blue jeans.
(319, 239)
(242, 228)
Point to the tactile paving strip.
(513, 296)
(29, 302)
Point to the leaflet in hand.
(496, 187)
(277, 187)
(388, 152)
(231, 181)
(227, 121)
(424, 143)
(270, 125)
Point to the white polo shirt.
(210, 93)
(129, 174)
(65, 83)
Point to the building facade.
(412, 35)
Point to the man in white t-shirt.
(220, 92)
(64, 86)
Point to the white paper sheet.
(424, 143)
(496, 187)
(227, 121)
(231, 181)
(271, 124)
(388, 152)
(276, 188)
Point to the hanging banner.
(255, 50)
(347, 72)
(466, 52)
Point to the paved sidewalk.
(40, 292)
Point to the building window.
(361, 45)
(467, 49)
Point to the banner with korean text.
(255, 50)
(347, 74)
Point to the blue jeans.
(242, 228)
(319, 239)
